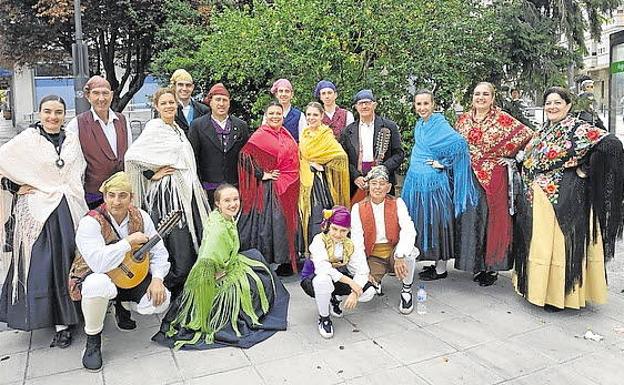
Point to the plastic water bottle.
(421, 300)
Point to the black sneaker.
(431, 275)
(488, 278)
(62, 339)
(335, 308)
(92, 355)
(325, 327)
(123, 318)
(406, 307)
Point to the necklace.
(60, 163)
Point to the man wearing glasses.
(370, 141)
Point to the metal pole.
(80, 63)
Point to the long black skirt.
(469, 237)
(46, 301)
(265, 230)
(179, 243)
(320, 199)
(271, 322)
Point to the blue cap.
(323, 84)
(364, 95)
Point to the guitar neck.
(142, 251)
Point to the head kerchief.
(217, 89)
(321, 85)
(378, 172)
(117, 182)
(338, 215)
(364, 95)
(96, 82)
(180, 75)
(280, 83)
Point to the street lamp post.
(80, 63)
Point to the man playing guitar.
(104, 237)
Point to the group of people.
(309, 192)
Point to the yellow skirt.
(546, 263)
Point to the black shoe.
(325, 327)
(284, 270)
(335, 308)
(123, 318)
(488, 278)
(431, 275)
(62, 339)
(478, 277)
(92, 356)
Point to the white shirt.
(367, 133)
(221, 124)
(186, 110)
(103, 258)
(357, 263)
(108, 128)
(349, 120)
(407, 231)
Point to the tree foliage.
(387, 45)
(119, 34)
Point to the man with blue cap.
(370, 141)
(335, 117)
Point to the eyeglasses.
(364, 103)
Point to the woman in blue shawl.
(439, 186)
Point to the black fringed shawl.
(576, 201)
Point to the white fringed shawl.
(161, 145)
(29, 158)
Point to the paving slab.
(193, 363)
(158, 368)
(465, 332)
(48, 361)
(510, 359)
(414, 345)
(246, 376)
(552, 376)
(455, 369)
(604, 368)
(359, 359)
(395, 376)
(304, 369)
(12, 368)
(14, 341)
(81, 377)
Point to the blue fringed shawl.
(424, 187)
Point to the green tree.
(387, 45)
(119, 34)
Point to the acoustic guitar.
(383, 143)
(135, 265)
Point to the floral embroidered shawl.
(557, 147)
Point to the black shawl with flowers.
(551, 161)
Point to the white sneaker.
(325, 327)
(406, 306)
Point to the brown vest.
(79, 269)
(101, 160)
(110, 236)
(391, 220)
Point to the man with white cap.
(103, 238)
(104, 138)
(381, 225)
(188, 109)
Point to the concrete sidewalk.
(470, 335)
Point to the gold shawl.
(320, 146)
